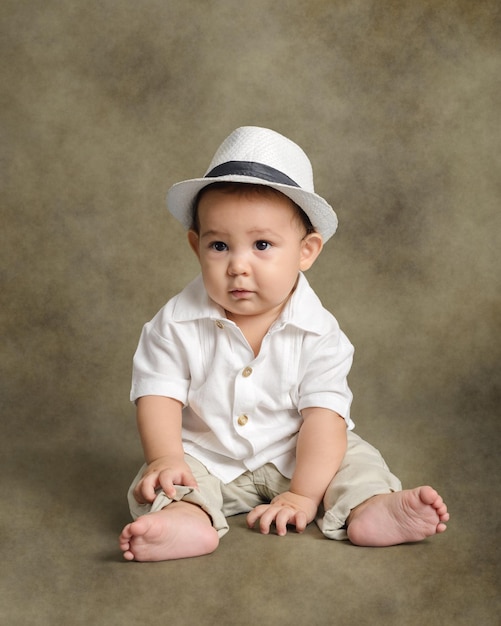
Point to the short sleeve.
(160, 364)
(324, 374)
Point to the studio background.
(104, 106)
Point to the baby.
(240, 380)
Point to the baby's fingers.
(280, 516)
(188, 480)
(255, 514)
(290, 516)
(267, 515)
(144, 491)
(169, 479)
(166, 481)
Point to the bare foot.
(399, 517)
(179, 531)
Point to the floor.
(61, 564)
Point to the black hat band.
(250, 168)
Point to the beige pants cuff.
(362, 475)
(187, 494)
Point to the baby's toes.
(441, 509)
(443, 516)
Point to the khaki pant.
(363, 474)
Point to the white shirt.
(241, 411)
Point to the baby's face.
(251, 249)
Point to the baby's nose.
(238, 265)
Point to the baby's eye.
(262, 245)
(219, 246)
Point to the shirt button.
(247, 372)
(219, 324)
(242, 420)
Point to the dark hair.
(248, 188)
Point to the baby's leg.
(178, 531)
(188, 525)
(400, 517)
(365, 502)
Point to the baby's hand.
(286, 508)
(163, 473)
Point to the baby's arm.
(159, 421)
(320, 449)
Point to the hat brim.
(181, 198)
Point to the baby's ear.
(311, 246)
(194, 241)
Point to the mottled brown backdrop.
(105, 104)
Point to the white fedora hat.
(264, 157)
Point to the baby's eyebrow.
(263, 232)
(213, 233)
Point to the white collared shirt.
(241, 411)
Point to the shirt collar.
(303, 308)
(193, 303)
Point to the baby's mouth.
(240, 293)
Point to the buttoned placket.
(244, 382)
(244, 390)
(244, 400)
